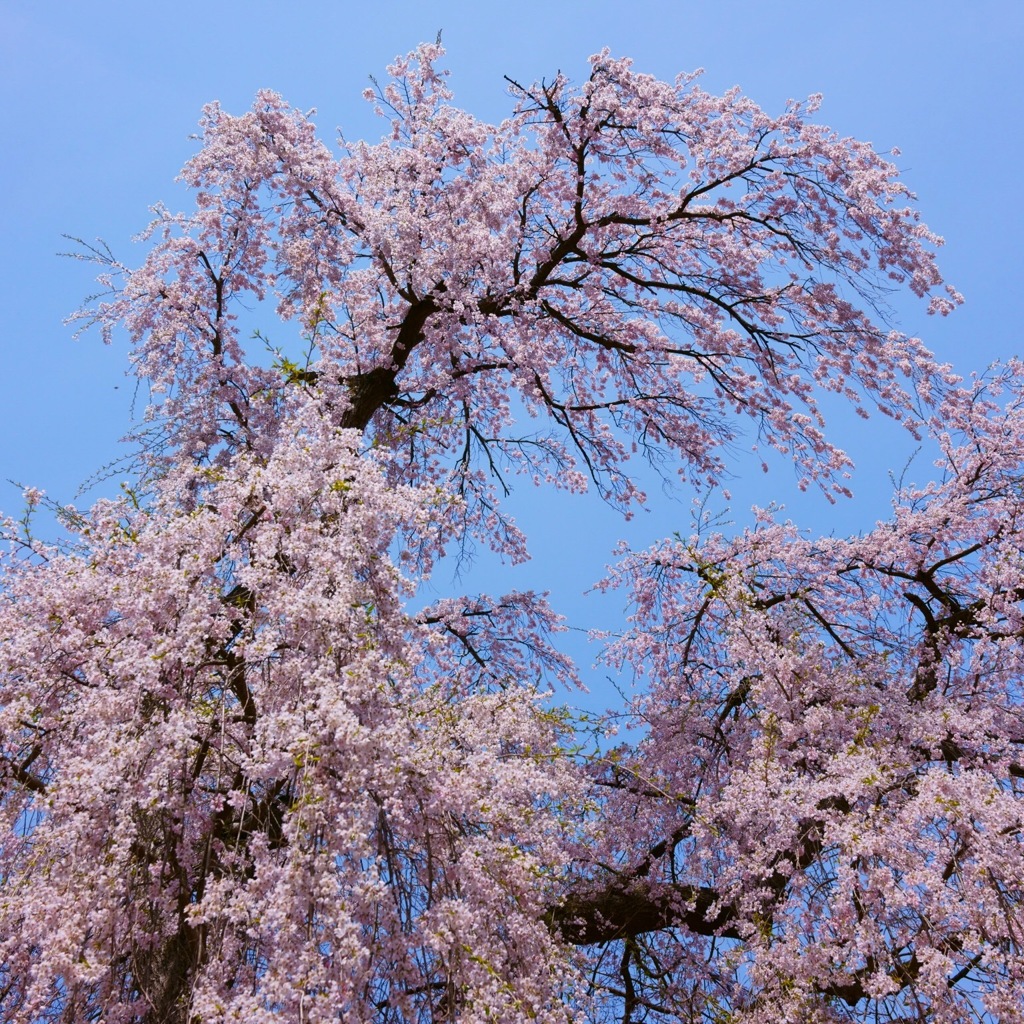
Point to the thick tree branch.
(622, 910)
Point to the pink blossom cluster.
(628, 263)
(833, 743)
(241, 778)
(247, 773)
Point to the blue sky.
(102, 98)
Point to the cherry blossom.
(243, 781)
(254, 768)
(831, 767)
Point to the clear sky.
(103, 96)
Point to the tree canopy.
(248, 772)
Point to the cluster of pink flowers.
(246, 775)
